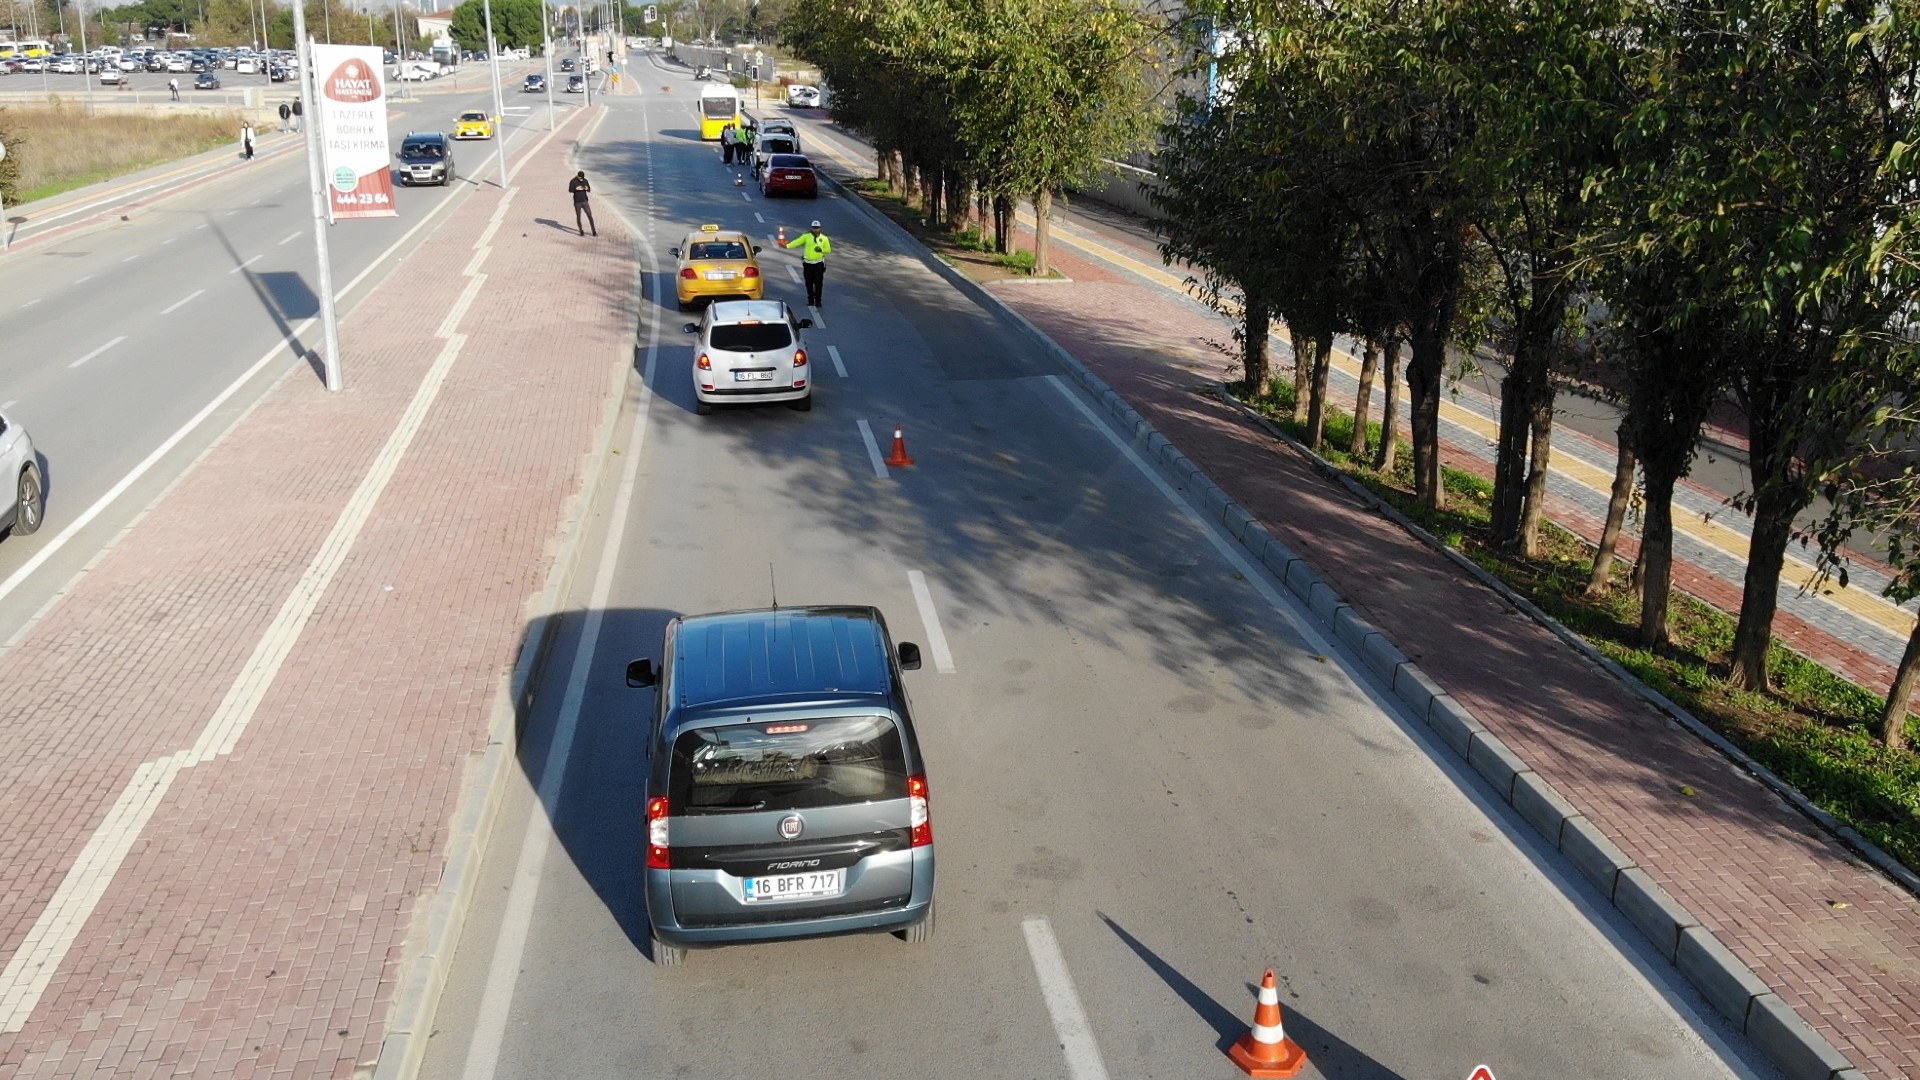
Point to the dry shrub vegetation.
(60, 146)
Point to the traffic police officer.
(814, 249)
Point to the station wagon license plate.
(721, 275)
(753, 376)
(808, 886)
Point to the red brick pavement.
(256, 925)
(1762, 877)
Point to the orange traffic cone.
(739, 181)
(899, 457)
(1266, 1050)
(780, 237)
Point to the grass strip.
(61, 146)
(1814, 728)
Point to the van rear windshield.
(787, 765)
(751, 337)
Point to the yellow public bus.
(719, 106)
(24, 50)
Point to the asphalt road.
(1150, 777)
(116, 339)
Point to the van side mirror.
(909, 656)
(806, 324)
(640, 673)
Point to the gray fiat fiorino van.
(786, 795)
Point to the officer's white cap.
(815, 225)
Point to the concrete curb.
(1742, 997)
(434, 933)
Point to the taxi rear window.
(751, 337)
(787, 765)
(718, 249)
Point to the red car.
(789, 174)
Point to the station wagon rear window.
(787, 765)
(751, 337)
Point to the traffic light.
(651, 15)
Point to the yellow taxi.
(716, 262)
(473, 125)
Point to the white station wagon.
(24, 494)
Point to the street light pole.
(546, 54)
(499, 107)
(316, 183)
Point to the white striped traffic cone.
(1265, 1050)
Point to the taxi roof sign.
(1481, 1072)
(709, 228)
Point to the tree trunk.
(1893, 721)
(1760, 593)
(1538, 456)
(1389, 408)
(1510, 457)
(1002, 225)
(960, 202)
(1656, 559)
(1042, 226)
(1423, 391)
(1617, 503)
(1317, 405)
(1369, 364)
(1302, 372)
(1254, 350)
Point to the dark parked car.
(567, 64)
(207, 81)
(576, 84)
(534, 84)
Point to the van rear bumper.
(667, 927)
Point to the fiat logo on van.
(791, 827)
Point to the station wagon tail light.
(689, 274)
(704, 363)
(800, 358)
(753, 271)
(921, 817)
(657, 833)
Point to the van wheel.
(919, 933)
(665, 955)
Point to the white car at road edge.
(25, 488)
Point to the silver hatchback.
(786, 794)
(749, 351)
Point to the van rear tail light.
(800, 358)
(657, 833)
(705, 363)
(920, 815)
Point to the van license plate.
(753, 376)
(797, 886)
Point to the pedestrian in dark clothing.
(246, 141)
(296, 114)
(286, 117)
(581, 189)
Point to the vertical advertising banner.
(357, 166)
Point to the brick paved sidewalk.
(268, 712)
(1836, 940)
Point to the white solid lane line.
(1063, 1002)
(839, 368)
(182, 302)
(936, 637)
(873, 451)
(819, 320)
(98, 351)
(291, 237)
(509, 949)
(246, 264)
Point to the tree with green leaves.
(516, 24)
